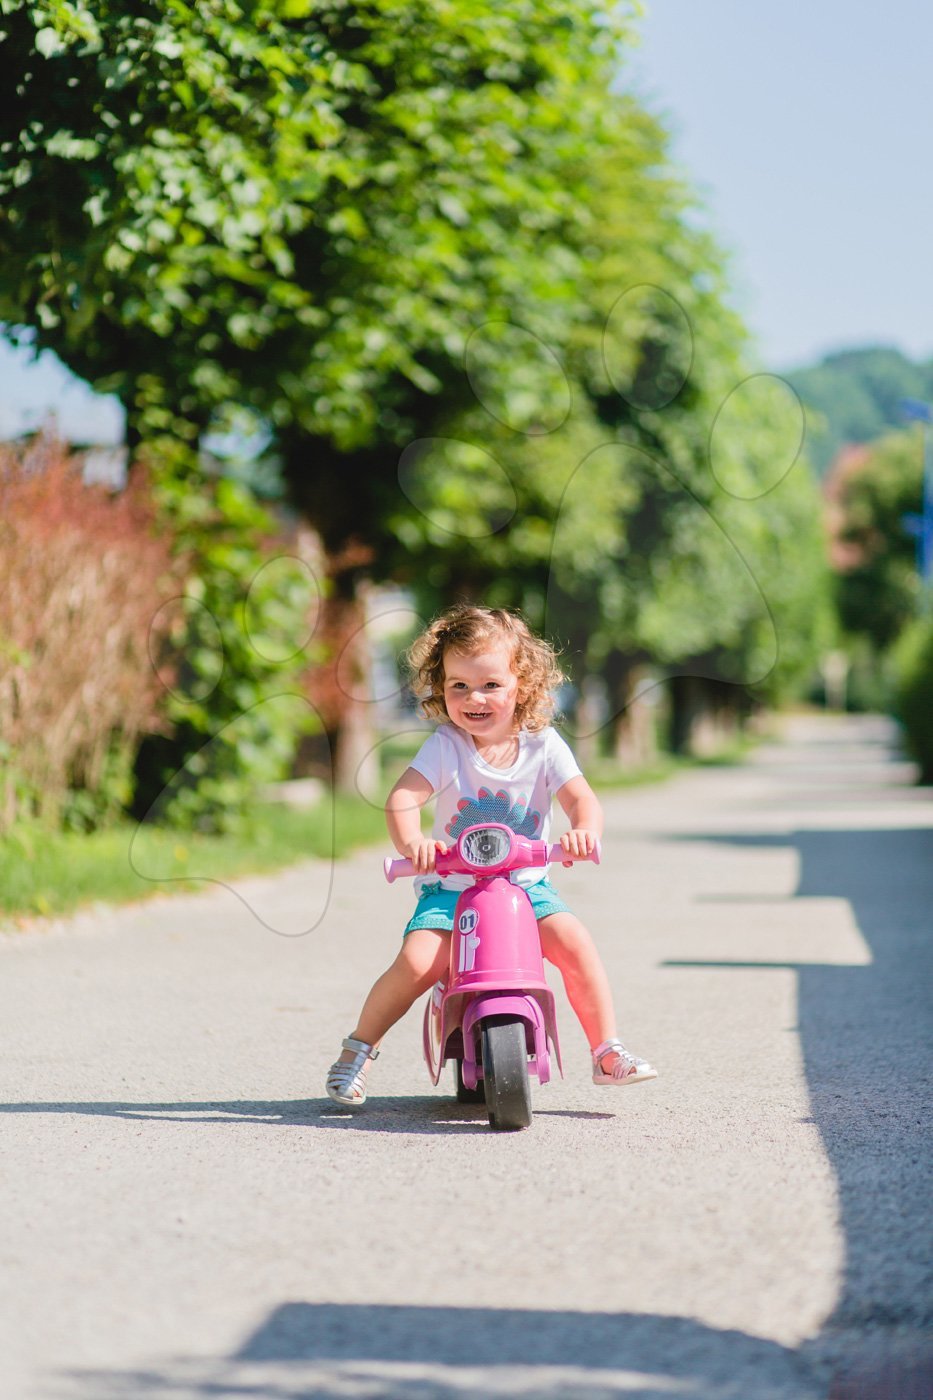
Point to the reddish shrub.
(82, 576)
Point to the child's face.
(481, 692)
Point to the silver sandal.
(628, 1068)
(346, 1079)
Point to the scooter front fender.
(522, 1007)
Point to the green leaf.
(49, 43)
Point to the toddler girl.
(494, 757)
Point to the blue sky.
(806, 129)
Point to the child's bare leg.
(567, 943)
(423, 958)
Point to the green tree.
(636, 492)
(300, 209)
(878, 593)
(303, 207)
(854, 396)
(378, 224)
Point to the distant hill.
(857, 394)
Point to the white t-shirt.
(469, 791)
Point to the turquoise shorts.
(436, 906)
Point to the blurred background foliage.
(434, 263)
(856, 396)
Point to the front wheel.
(505, 1073)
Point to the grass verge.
(48, 873)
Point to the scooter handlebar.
(556, 853)
(396, 869)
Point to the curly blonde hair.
(469, 629)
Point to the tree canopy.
(650, 500)
(444, 262)
(303, 207)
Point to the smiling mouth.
(481, 714)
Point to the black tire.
(505, 1067)
(465, 1095)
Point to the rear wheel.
(505, 1070)
(465, 1095)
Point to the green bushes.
(236, 641)
(913, 664)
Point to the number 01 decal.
(469, 940)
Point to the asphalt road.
(186, 1215)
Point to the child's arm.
(403, 818)
(585, 815)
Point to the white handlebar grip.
(557, 852)
(394, 868)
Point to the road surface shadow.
(333, 1351)
(866, 1034)
(414, 1114)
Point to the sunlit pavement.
(186, 1214)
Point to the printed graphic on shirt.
(494, 807)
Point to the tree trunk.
(590, 719)
(356, 763)
(340, 685)
(706, 715)
(634, 742)
(321, 487)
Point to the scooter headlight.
(485, 846)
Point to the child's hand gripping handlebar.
(518, 854)
(395, 869)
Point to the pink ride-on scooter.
(495, 1014)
